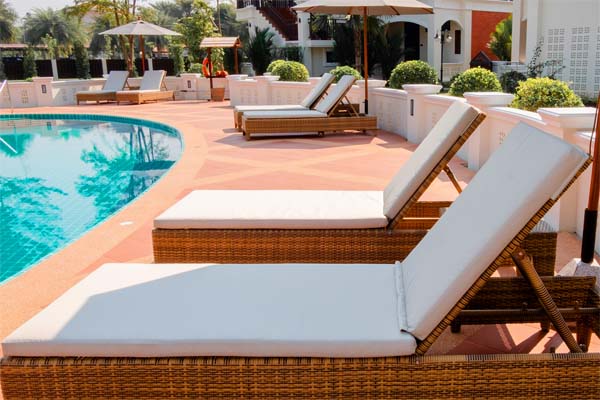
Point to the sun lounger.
(309, 102)
(115, 81)
(293, 226)
(323, 118)
(152, 88)
(323, 331)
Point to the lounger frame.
(97, 97)
(410, 377)
(141, 96)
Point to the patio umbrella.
(365, 8)
(140, 28)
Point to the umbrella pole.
(590, 219)
(141, 40)
(210, 67)
(366, 61)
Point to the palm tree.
(8, 16)
(501, 39)
(65, 29)
(260, 49)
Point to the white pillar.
(189, 86)
(479, 142)
(104, 66)
(415, 122)
(150, 64)
(264, 88)
(43, 91)
(516, 31)
(54, 69)
(235, 95)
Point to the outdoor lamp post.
(444, 37)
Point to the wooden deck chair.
(309, 102)
(323, 118)
(291, 226)
(115, 82)
(152, 88)
(323, 330)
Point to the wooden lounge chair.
(237, 226)
(152, 88)
(313, 331)
(309, 102)
(323, 118)
(115, 81)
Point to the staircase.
(283, 19)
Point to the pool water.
(62, 175)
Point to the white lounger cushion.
(275, 209)
(115, 81)
(521, 175)
(434, 147)
(336, 93)
(272, 107)
(153, 310)
(284, 114)
(152, 80)
(318, 90)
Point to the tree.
(8, 17)
(65, 29)
(29, 67)
(260, 49)
(82, 62)
(501, 39)
(195, 25)
(102, 44)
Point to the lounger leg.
(584, 333)
(523, 262)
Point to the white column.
(516, 31)
(54, 69)
(264, 88)
(479, 148)
(533, 30)
(43, 91)
(104, 66)
(235, 95)
(415, 121)
(189, 86)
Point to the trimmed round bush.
(414, 71)
(510, 80)
(291, 71)
(535, 93)
(475, 80)
(342, 70)
(273, 65)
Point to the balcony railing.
(266, 3)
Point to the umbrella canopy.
(140, 28)
(365, 8)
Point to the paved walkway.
(217, 157)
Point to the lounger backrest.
(116, 81)
(453, 124)
(527, 170)
(152, 80)
(317, 92)
(336, 94)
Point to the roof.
(220, 42)
(20, 46)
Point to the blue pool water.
(60, 175)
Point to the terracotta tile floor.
(215, 156)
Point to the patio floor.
(217, 157)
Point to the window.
(457, 40)
(330, 57)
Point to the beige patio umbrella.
(365, 8)
(140, 28)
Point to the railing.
(5, 86)
(266, 3)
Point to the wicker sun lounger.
(116, 81)
(218, 226)
(323, 118)
(313, 331)
(309, 102)
(151, 89)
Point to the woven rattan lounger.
(310, 101)
(151, 89)
(115, 81)
(238, 226)
(313, 331)
(323, 118)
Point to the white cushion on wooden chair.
(275, 209)
(272, 107)
(115, 81)
(176, 310)
(427, 155)
(152, 80)
(284, 114)
(336, 94)
(314, 95)
(529, 168)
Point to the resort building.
(568, 32)
(465, 26)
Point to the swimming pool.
(62, 174)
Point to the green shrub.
(29, 67)
(82, 62)
(510, 80)
(176, 52)
(535, 93)
(475, 80)
(342, 70)
(291, 71)
(414, 71)
(195, 68)
(274, 64)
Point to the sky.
(22, 6)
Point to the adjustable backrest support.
(336, 94)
